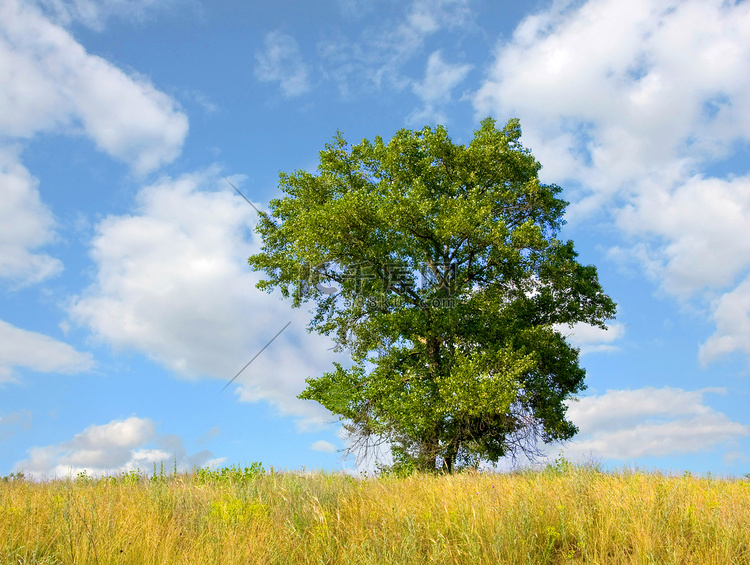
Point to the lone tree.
(436, 266)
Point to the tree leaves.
(449, 280)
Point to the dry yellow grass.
(567, 515)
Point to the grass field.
(564, 514)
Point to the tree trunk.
(427, 455)
(449, 459)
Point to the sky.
(126, 300)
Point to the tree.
(436, 266)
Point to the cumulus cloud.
(37, 352)
(591, 339)
(435, 89)
(630, 102)
(323, 446)
(119, 446)
(52, 84)
(649, 422)
(25, 225)
(172, 282)
(281, 61)
(700, 231)
(663, 87)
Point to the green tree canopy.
(436, 266)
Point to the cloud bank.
(629, 104)
(172, 282)
(132, 444)
(649, 422)
(51, 84)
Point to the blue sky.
(126, 303)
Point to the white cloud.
(206, 104)
(732, 316)
(278, 375)
(377, 55)
(25, 225)
(664, 84)
(95, 13)
(52, 84)
(698, 232)
(281, 61)
(173, 282)
(324, 446)
(426, 17)
(435, 89)
(591, 339)
(648, 422)
(38, 352)
(394, 47)
(631, 101)
(119, 446)
(214, 463)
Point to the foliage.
(233, 474)
(560, 466)
(437, 267)
(132, 477)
